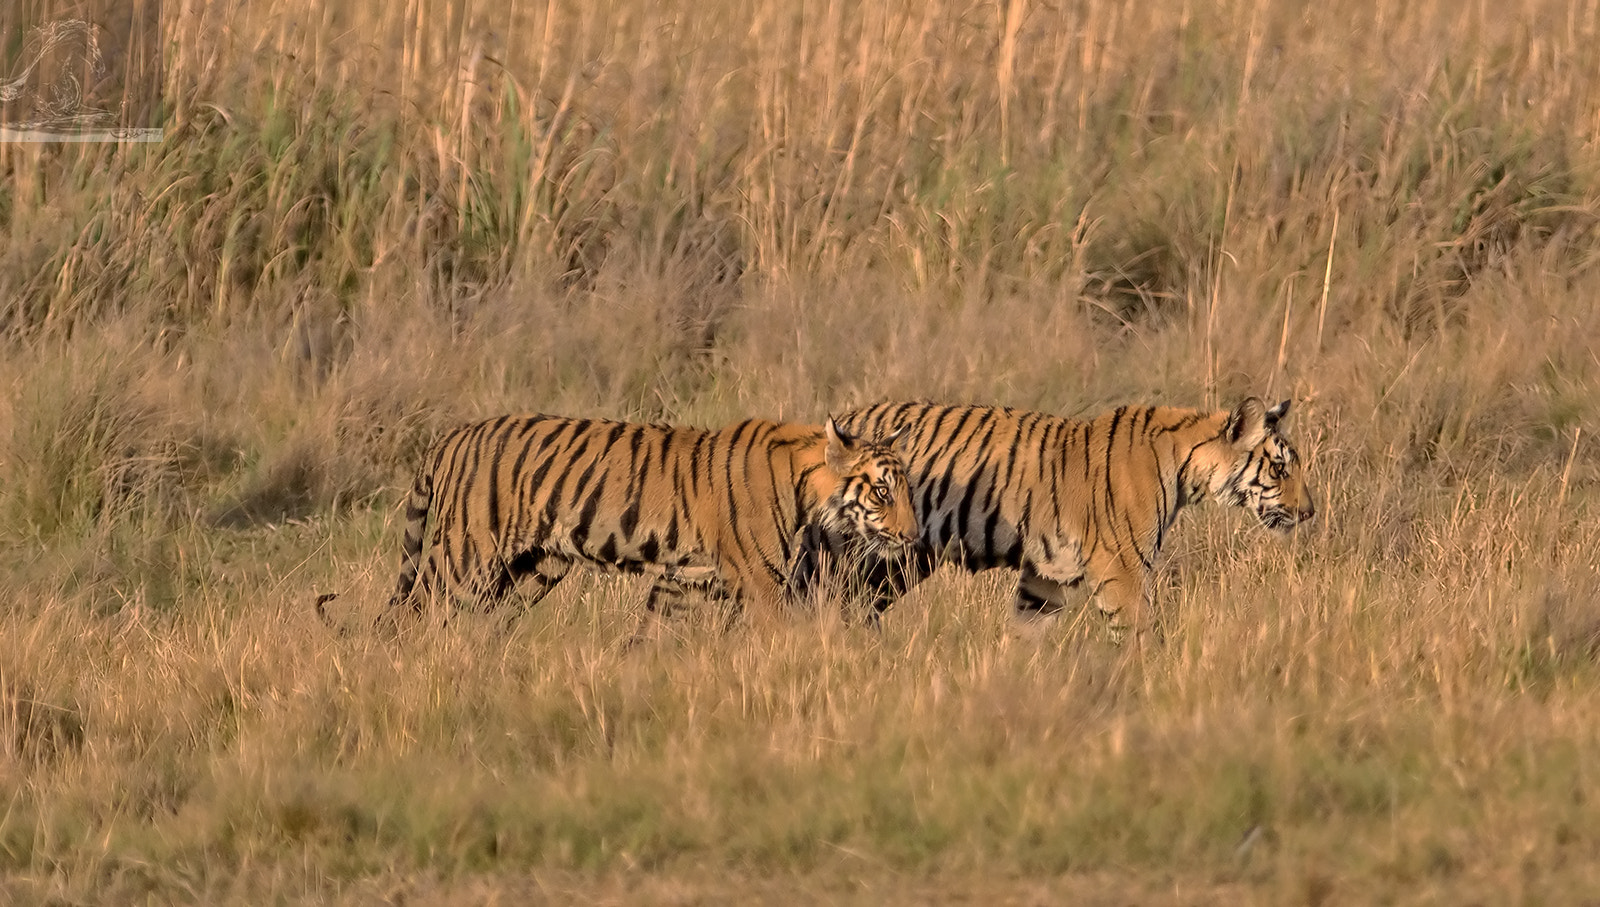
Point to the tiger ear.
(893, 436)
(1247, 424)
(841, 446)
(1276, 414)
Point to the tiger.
(519, 499)
(1066, 500)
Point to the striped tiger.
(1064, 500)
(520, 499)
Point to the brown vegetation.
(370, 222)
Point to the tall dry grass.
(369, 222)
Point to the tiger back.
(1066, 500)
(518, 500)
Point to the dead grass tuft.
(224, 354)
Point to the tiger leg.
(727, 607)
(824, 565)
(450, 573)
(464, 582)
(807, 568)
(821, 570)
(1039, 601)
(1121, 592)
(405, 607)
(729, 597)
(665, 595)
(882, 579)
(899, 574)
(535, 572)
(481, 590)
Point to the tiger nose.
(1308, 512)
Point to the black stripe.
(585, 523)
(948, 456)
(629, 519)
(1163, 507)
(499, 437)
(1183, 472)
(1086, 443)
(1025, 514)
(1188, 420)
(543, 444)
(985, 427)
(1111, 443)
(606, 445)
(989, 526)
(671, 539)
(1133, 540)
(736, 453)
(989, 468)
(896, 416)
(1013, 555)
(695, 465)
(1091, 530)
(554, 453)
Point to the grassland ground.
(222, 355)
(1357, 712)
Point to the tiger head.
(872, 500)
(1251, 465)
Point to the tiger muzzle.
(1284, 520)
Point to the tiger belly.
(1057, 560)
(644, 555)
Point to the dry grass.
(369, 222)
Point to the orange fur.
(1067, 500)
(520, 499)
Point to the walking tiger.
(518, 500)
(1067, 500)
